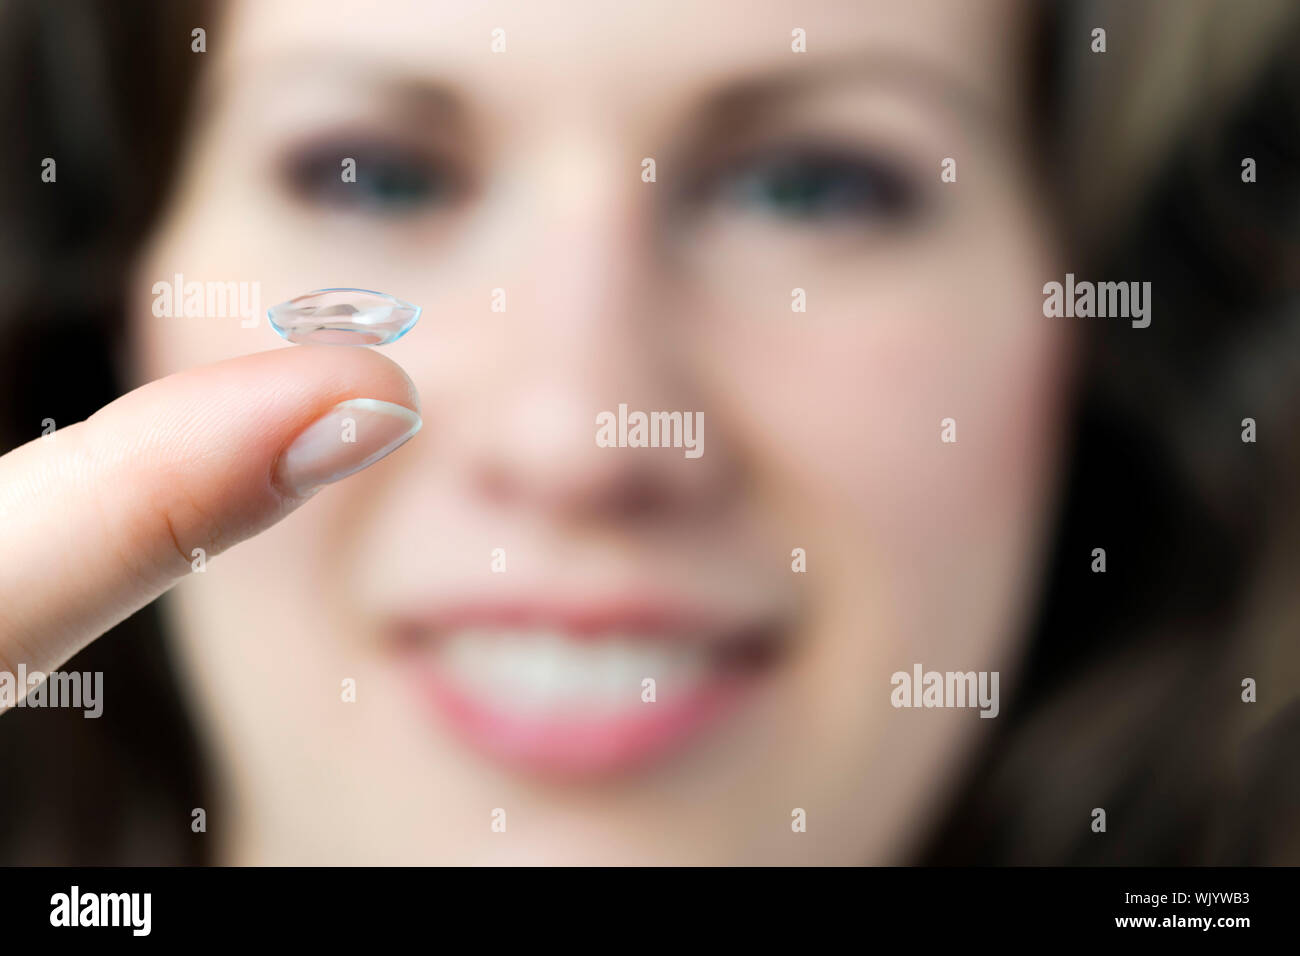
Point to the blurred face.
(625, 654)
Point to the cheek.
(193, 250)
(852, 400)
(843, 410)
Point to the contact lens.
(343, 317)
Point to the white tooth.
(547, 672)
(651, 664)
(513, 662)
(543, 665)
(612, 687)
(579, 674)
(626, 670)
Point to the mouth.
(585, 690)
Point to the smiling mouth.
(584, 692)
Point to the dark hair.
(1131, 697)
(103, 89)
(1200, 528)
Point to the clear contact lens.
(343, 317)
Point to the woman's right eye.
(375, 180)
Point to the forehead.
(625, 53)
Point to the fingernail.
(350, 436)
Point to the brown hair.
(1132, 697)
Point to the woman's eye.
(818, 187)
(388, 181)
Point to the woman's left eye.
(816, 187)
(378, 181)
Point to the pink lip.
(577, 746)
(574, 744)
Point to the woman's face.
(500, 589)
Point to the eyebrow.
(427, 95)
(942, 88)
(740, 99)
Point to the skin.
(822, 427)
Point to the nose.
(590, 325)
